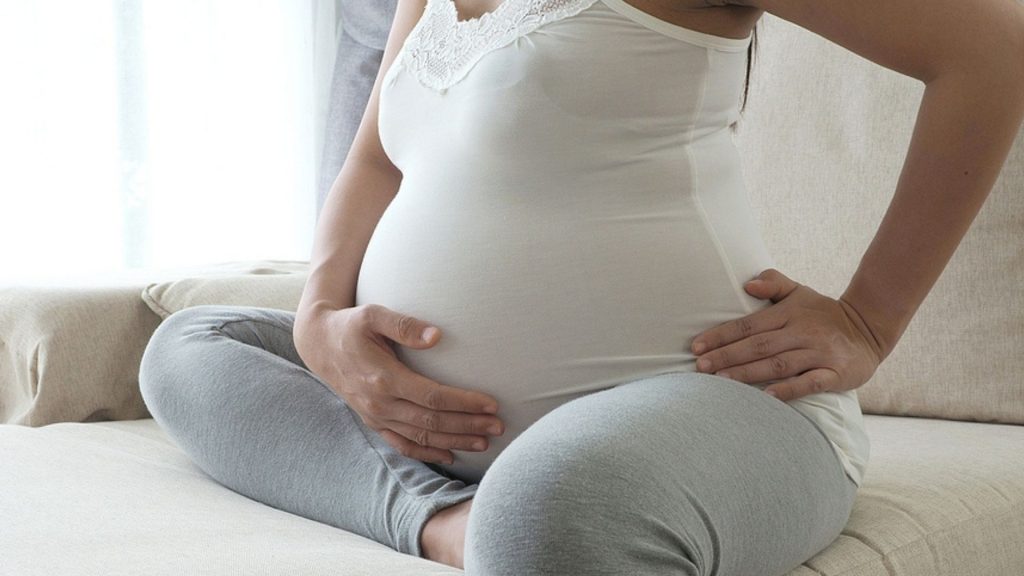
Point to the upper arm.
(918, 38)
(366, 143)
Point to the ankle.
(443, 536)
(432, 538)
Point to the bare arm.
(362, 191)
(970, 56)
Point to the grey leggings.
(681, 473)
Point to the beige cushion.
(70, 352)
(136, 504)
(265, 283)
(940, 497)
(824, 137)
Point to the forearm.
(354, 205)
(965, 127)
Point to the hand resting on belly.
(420, 417)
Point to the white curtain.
(159, 133)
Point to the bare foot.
(444, 535)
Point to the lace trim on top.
(441, 49)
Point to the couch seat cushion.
(939, 498)
(102, 498)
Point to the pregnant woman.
(494, 363)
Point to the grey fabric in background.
(368, 22)
(365, 27)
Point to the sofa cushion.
(264, 283)
(121, 498)
(70, 348)
(940, 497)
(822, 154)
(72, 354)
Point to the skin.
(970, 56)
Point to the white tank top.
(572, 210)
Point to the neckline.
(454, 11)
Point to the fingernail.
(703, 364)
(428, 332)
(478, 445)
(722, 374)
(494, 430)
(772, 393)
(491, 408)
(699, 347)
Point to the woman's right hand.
(351, 351)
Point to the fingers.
(407, 330)
(430, 443)
(440, 421)
(419, 417)
(776, 367)
(425, 392)
(733, 330)
(413, 450)
(460, 428)
(810, 382)
(760, 345)
(431, 439)
(772, 284)
(401, 328)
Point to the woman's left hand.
(806, 341)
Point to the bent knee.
(575, 505)
(171, 352)
(185, 353)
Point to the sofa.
(90, 484)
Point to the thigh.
(683, 473)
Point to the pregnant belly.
(537, 309)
